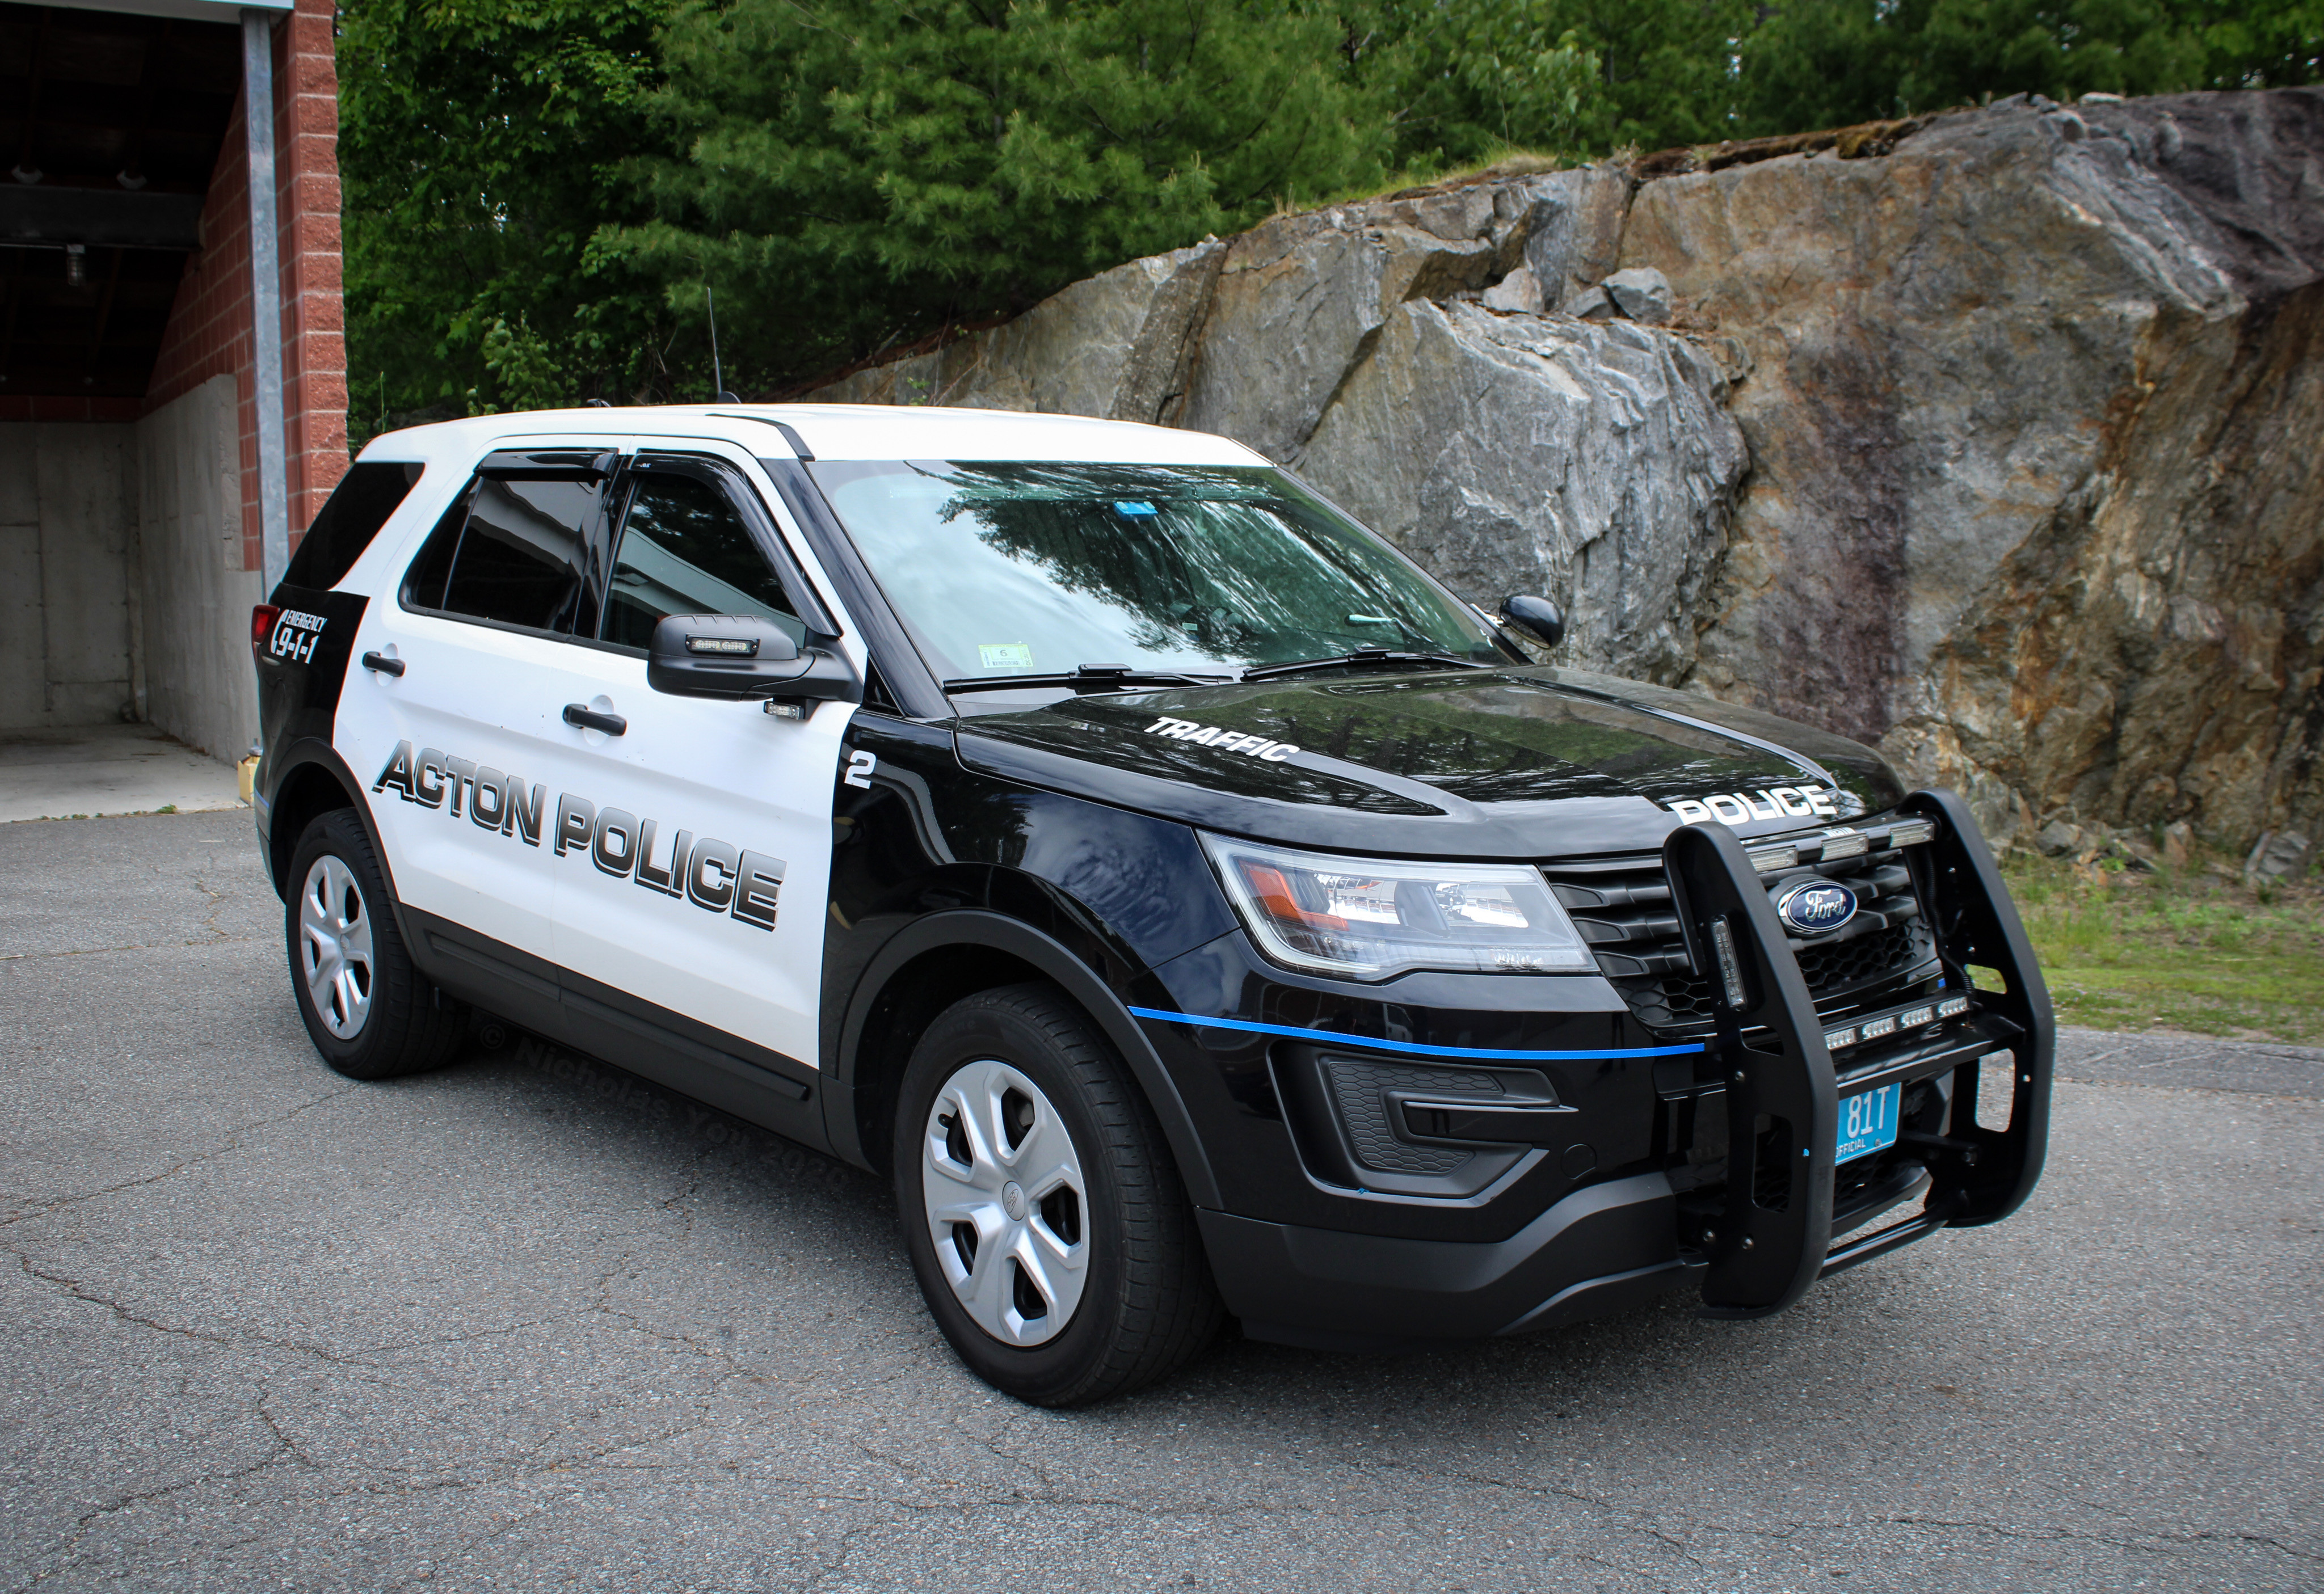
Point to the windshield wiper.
(1361, 657)
(1089, 678)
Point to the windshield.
(1039, 569)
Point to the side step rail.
(1988, 1177)
(1769, 1244)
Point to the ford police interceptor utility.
(1192, 905)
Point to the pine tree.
(478, 149)
(856, 172)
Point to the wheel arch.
(317, 781)
(936, 962)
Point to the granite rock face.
(1592, 462)
(2035, 498)
(1991, 437)
(1115, 346)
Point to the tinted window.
(685, 550)
(357, 508)
(516, 551)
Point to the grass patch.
(2193, 950)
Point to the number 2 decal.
(860, 766)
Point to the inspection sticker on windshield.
(1004, 656)
(1257, 747)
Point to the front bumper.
(1604, 1247)
(1751, 1225)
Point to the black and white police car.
(1195, 907)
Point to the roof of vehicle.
(839, 431)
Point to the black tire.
(405, 1025)
(1148, 1305)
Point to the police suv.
(1193, 906)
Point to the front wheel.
(1045, 1220)
(368, 1011)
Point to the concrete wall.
(123, 594)
(67, 529)
(194, 594)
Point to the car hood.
(1536, 762)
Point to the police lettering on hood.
(714, 875)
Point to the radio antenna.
(716, 372)
(717, 375)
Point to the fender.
(314, 750)
(982, 928)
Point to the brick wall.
(209, 331)
(314, 326)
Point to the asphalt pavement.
(533, 1323)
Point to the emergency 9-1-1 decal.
(710, 873)
(295, 634)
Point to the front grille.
(1622, 907)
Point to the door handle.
(383, 664)
(589, 719)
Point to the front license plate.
(1868, 1123)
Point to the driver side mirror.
(1537, 615)
(740, 657)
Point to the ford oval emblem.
(1815, 907)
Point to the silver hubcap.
(1007, 1208)
(334, 947)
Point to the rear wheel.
(368, 1011)
(1044, 1216)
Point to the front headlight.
(1362, 919)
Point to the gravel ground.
(533, 1323)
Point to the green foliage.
(1666, 71)
(2256, 46)
(478, 147)
(1821, 63)
(525, 371)
(537, 191)
(1463, 81)
(855, 173)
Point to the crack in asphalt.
(86, 1523)
(217, 936)
(73, 1287)
(362, 1359)
(233, 1145)
(2144, 1546)
(222, 938)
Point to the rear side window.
(357, 508)
(517, 550)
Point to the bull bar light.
(1364, 918)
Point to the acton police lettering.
(493, 801)
(714, 876)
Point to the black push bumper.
(1772, 1236)
(1767, 1234)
